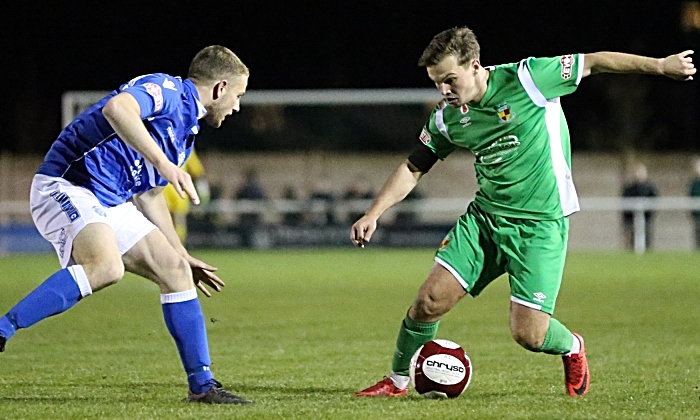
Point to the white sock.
(576, 347)
(399, 381)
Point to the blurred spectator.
(639, 186)
(694, 192)
(322, 196)
(358, 190)
(291, 218)
(251, 189)
(408, 217)
(179, 207)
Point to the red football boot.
(383, 388)
(577, 376)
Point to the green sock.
(412, 335)
(558, 340)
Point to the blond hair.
(214, 63)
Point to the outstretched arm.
(677, 66)
(396, 188)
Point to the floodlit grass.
(299, 331)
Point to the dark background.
(48, 49)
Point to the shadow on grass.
(145, 391)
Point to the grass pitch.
(299, 331)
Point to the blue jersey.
(89, 153)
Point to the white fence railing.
(446, 209)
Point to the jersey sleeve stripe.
(532, 91)
(151, 173)
(581, 60)
(567, 192)
(440, 123)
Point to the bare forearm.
(615, 62)
(677, 66)
(396, 188)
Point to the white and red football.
(440, 369)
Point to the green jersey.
(519, 136)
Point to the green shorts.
(483, 246)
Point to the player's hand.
(203, 274)
(181, 181)
(362, 230)
(679, 66)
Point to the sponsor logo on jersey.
(155, 91)
(499, 149)
(135, 170)
(539, 297)
(424, 137)
(171, 133)
(465, 122)
(504, 113)
(464, 108)
(169, 84)
(66, 205)
(567, 65)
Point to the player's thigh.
(154, 258)
(95, 249)
(469, 252)
(536, 254)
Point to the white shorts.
(61, 210)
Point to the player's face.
(457, 83)
(227, 101)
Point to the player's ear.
(475, 66)
(220, 89)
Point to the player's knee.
(104, 273)
(427, 307)
(175, 275)
(527, 338)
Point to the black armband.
(423, 158)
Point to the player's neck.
(482, 84)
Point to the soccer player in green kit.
(510, 117)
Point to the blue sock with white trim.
(56, 294)
(185, 321)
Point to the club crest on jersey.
(464, 108)
(424, 137)
(567, 65)
(504, 113)
(446, 241)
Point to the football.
(440, 369)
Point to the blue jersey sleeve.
(156, 93)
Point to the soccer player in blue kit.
(97, 197)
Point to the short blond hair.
(459, 42)
(214, 63)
